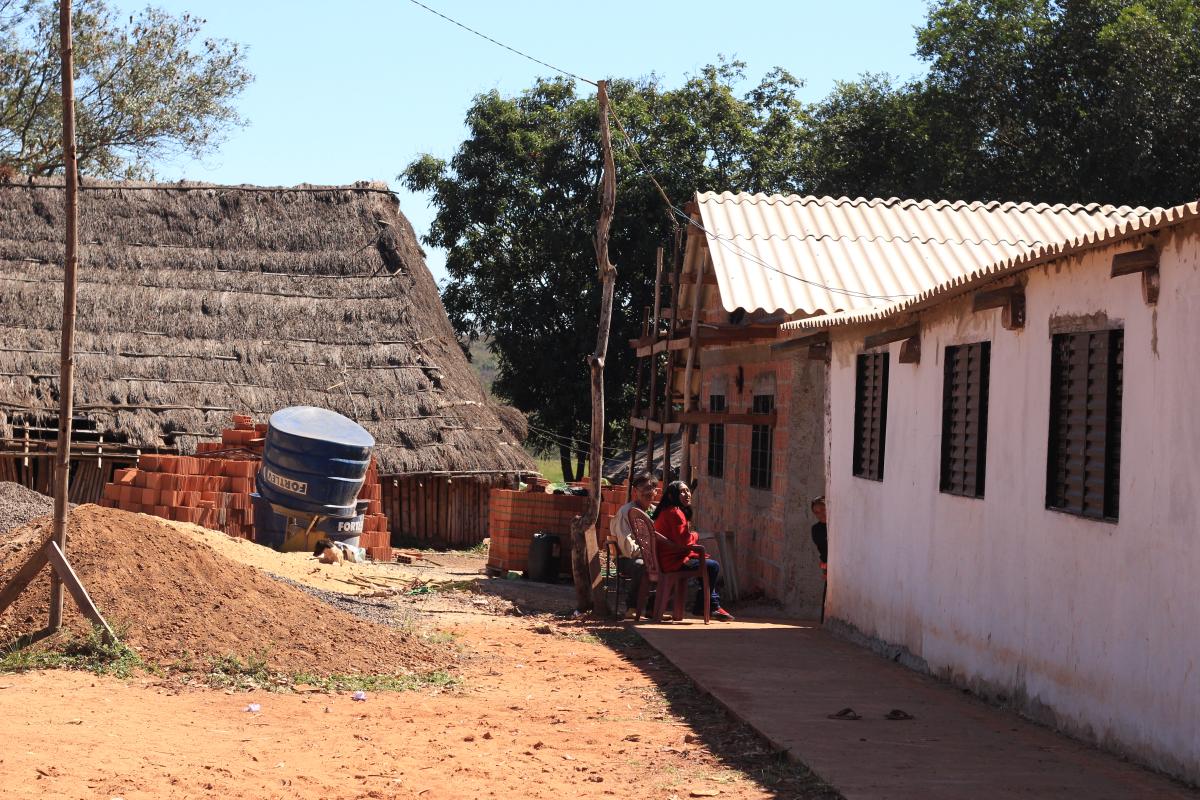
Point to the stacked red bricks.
(213, 492)
(513, 518)
(375, 537)
(213, 487)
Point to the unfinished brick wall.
(775, 554)
(514, 517)
(213, 487)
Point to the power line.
(560, 439)
(671, 208)
(501, 44)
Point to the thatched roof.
(199, 301)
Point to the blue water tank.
(287, 534)
(314, 462)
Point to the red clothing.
(672, 524)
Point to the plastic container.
(314, 463)
(544, 552)
(292, 534)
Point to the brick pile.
(213, 487)
(211, 492)
(513, 519)
(375, 536)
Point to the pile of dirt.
(19, 506)
(179, 601)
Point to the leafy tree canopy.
(1042, 100)
(145, 89)
(517, 207)
(1055, 101)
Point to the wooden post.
(585, 553)
(66, 370)
(685, 469)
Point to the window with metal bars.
(1083, 469)
(870, 414)
(762, 444)
(716, 439)
(964, 418)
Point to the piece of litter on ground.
(253, 708)
(704, 792)
(359, 695)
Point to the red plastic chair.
(668, 586)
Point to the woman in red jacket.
(671, 519)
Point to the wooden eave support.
(1009, 298)
(708, 337)
(817, 344)
(1144, 261)
(910, 334)
(643, 424)
(725, 418)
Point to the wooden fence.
(439, 510)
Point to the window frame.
(964, 427)
(762, 445)
(1102, 360)
(877, 366)
(716, 438)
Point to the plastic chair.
(669, 586)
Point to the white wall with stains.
(1091, 626)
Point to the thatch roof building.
(198, 301)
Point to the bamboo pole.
(585, 552)
(685, 469)
(70, 288)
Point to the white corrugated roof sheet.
(985, 272)
(823, 255)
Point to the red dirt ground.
(544, 710)
(177, 599)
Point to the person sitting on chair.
(629, 560)
(672, 521)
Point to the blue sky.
(355, 90)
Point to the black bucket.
(544, 554)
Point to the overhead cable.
(501, 44)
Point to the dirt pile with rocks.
(19, 506)
(180, 602)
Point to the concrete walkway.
(783, 678)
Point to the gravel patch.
(374, 609)
(19, 505)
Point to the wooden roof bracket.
(1009, 298)
(910, 351)
(1144, 261)
(817, 345)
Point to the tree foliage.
(1066, 101)
(517, 206)
(1042, 100)
(145, 89)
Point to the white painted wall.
(1088, 625)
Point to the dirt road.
(543, 708)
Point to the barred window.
(762, 444)
(964, 418)
(870, 414)
(716, 439)
(1084, 454)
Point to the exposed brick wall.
(775, 554)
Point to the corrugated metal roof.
(822, 255)
(1103, 235)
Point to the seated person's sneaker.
(722, 615)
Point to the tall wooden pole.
(66, 371)
(585, 558)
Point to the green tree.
(145, 89)
(1070, 101)
(517, 206)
